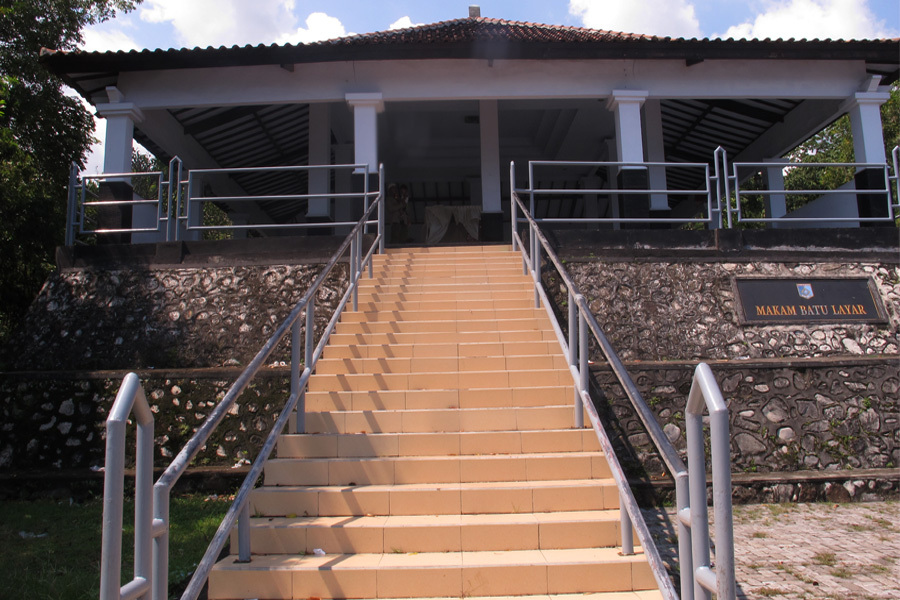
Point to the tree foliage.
(42, 131)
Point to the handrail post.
(573, 351)
(381, 228)
(705, 392)
(626, 528)
(71, 207)
(357, 262)
(513, 209)
(685, 550)
(244, 533)
(536, 267)
(295, 369)
(161, 542)
(583, 363)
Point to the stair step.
(368, 400)
(435, 469)
(440, 420)
(440, 380)
(433, 533)
(442, 574)
(429, 337)
(436, 499)
(446, 326)
(370, 445)
(350, 366)
(444, 303)
(460, 314)
(428, 295)
(455, 350)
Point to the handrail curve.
(155, 514)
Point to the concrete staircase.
(441, 459)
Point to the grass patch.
(759, 534)
(841, 572)
(827, 559)
(59, 556)
(767, 592)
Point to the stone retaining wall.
(821, 397)
(85, 319)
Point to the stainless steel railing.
(305, 347)
(581, 323)
(719, 186)
(177, 209)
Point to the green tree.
(42, 131)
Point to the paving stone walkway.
(808, 551)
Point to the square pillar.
(491, 213)
(318, 210)
(120, 119)
(775, 204)
(629, 147)
(864, 109)
(656, 152)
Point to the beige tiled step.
(435, 469)
(444, 574)
(434, 533)
(443, 303)
(424, 350)
(369, 445)
(440, 420)
(429, 337)
(461, 295)
(441, 380)
(459, 314)
(436, 499)
(433, 364)
(368, 400)
(445, 326)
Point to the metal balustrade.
(581, 324)
(179, 203)
(151, 567)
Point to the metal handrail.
(158, 582)
(711, 199)
(705, 393)
(190, 199)
(734, 178)
(579, 368)
(130, 398)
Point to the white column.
(864, 109)
(365, 128)
(775, 204)
(344, 210)
(120, 119)
(656, 152)
(489, 117)
(627, 107)
(119, 142)
(319, 154)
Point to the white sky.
(193, 23)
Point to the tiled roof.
(481, 29)
(479, 37)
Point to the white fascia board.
(414, 80)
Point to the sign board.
(808, 301)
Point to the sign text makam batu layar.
(808, 300)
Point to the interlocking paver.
(808, 551)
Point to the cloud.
(811, 19)
(674, 18)
(101, 39)
(403, 23)
(222, 22)
(319, 26)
